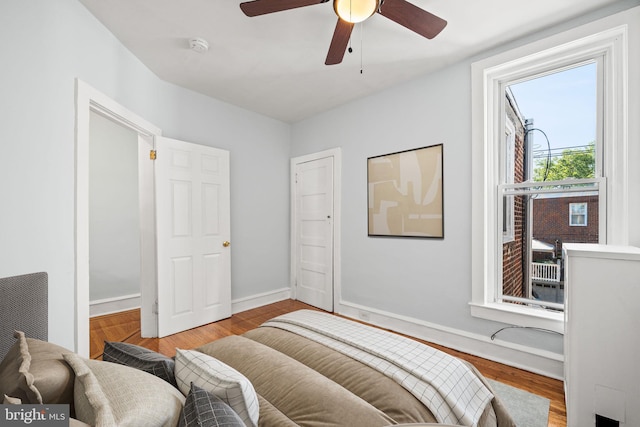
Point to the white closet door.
(314, 228)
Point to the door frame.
(89, 99)
(336, 154)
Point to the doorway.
(190, 246)
(315, 228)
(114, 217)
(89, 100)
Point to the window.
(578, 214)
(562, 166)
(511, 191)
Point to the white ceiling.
(274, 64)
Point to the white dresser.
(602, 334)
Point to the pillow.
(8, 400)
(204, 409)
(15, 378)
(109, 394)
(52, 376)
(35, 372)
(140, 358)
(76, 423)
(220, 379)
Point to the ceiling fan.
(351, 12)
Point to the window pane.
(578, 214)
(514, 253)
(532, 263)
(550, 229)
(561, 112)
(578, 208)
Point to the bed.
(330, 385)
(306, 368)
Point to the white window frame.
(572, 216)
(489, 77)
(508, 164)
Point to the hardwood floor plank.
(125, 327)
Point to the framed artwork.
(405, 193)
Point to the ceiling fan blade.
(412, 17)
(262, 7)
(339, 42)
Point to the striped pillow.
(140, 358)
(204, 409)
(219, 379)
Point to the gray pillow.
(140, 358)
(204, 409)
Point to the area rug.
(527, 409)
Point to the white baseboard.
(114, 305)
(255, 301)
(523, 357)
(129, 302)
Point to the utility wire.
(548, 161)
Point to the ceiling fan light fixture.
(355, 11)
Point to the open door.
(193, 234)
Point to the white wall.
(426, 280)
(44, 46)
(114, 219)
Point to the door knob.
(226, 243)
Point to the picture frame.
(405, 193)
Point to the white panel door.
(193, 233)
(314, 240)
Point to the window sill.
(519, 315)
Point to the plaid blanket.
(451, 391)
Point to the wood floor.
(125, 327)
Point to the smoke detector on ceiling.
(199, 45)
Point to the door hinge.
(154, 309)
(152, 154)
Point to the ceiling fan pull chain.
(361, 44)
